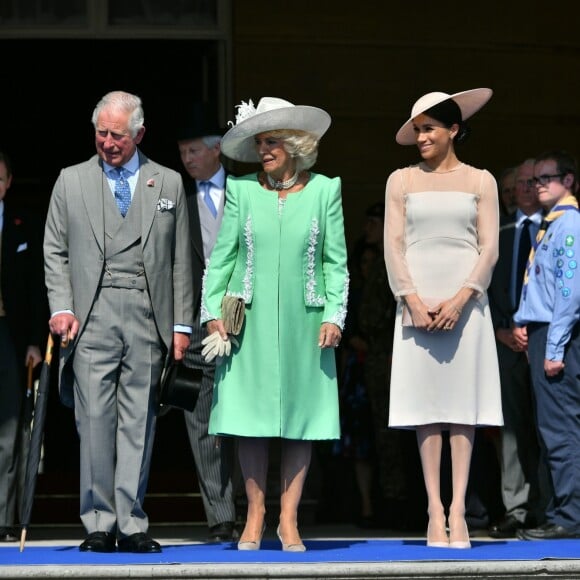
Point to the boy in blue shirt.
(547, 325)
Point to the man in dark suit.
(199, 148)
(519, 448)
(118, 273)
(23, 315)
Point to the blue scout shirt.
(553, 291)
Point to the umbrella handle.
(49, 347)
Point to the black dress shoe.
(224, 532)
(139, 543)
(98, 542)
(506, 528)
(8, 535)
(547, 532)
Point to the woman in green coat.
(281, 248)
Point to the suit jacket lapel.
(149, 188)
(194, 221)
(93, 189)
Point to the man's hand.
(33, 355)
(65, 325)
(180, 344)
(506, 337)
(520, 335)
(553, 367)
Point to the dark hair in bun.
(449, 113)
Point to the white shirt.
(210, 227)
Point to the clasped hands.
(442, 316)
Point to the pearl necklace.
(278, 184)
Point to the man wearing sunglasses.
(548, 321)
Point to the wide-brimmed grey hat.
(469, 102)
(271, 114)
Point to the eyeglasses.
(545, 179)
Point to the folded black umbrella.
(35, 447)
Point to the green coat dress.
(289, 265)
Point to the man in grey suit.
(519, 447)
(119, 285)
(198, 142)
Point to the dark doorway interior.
(50, 88)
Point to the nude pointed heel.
(290, 547)
(462, 532)
(435, 543)
(252, 545)
(436, 532)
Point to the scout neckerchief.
(567, 203)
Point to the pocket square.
(165, 204)
(22, 247)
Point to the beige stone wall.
(366, 63)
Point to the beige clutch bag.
(233, 312)
(407, 319)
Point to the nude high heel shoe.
(435, 543)
(290, 547)
(253, 545)
(435, 533)
(459, 531)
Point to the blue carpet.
(319, 551)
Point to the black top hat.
(199, 121)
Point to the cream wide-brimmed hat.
(271, 114)
(469, 102)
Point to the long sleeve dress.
(441, 234)
(289, 263)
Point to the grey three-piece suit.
(128, 281)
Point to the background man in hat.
(199, 149)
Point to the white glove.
(228, 349)
(215, 346)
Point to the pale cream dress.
(441, 233)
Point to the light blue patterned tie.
(206, 188)
(122, 191)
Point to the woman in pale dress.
(441, 245)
